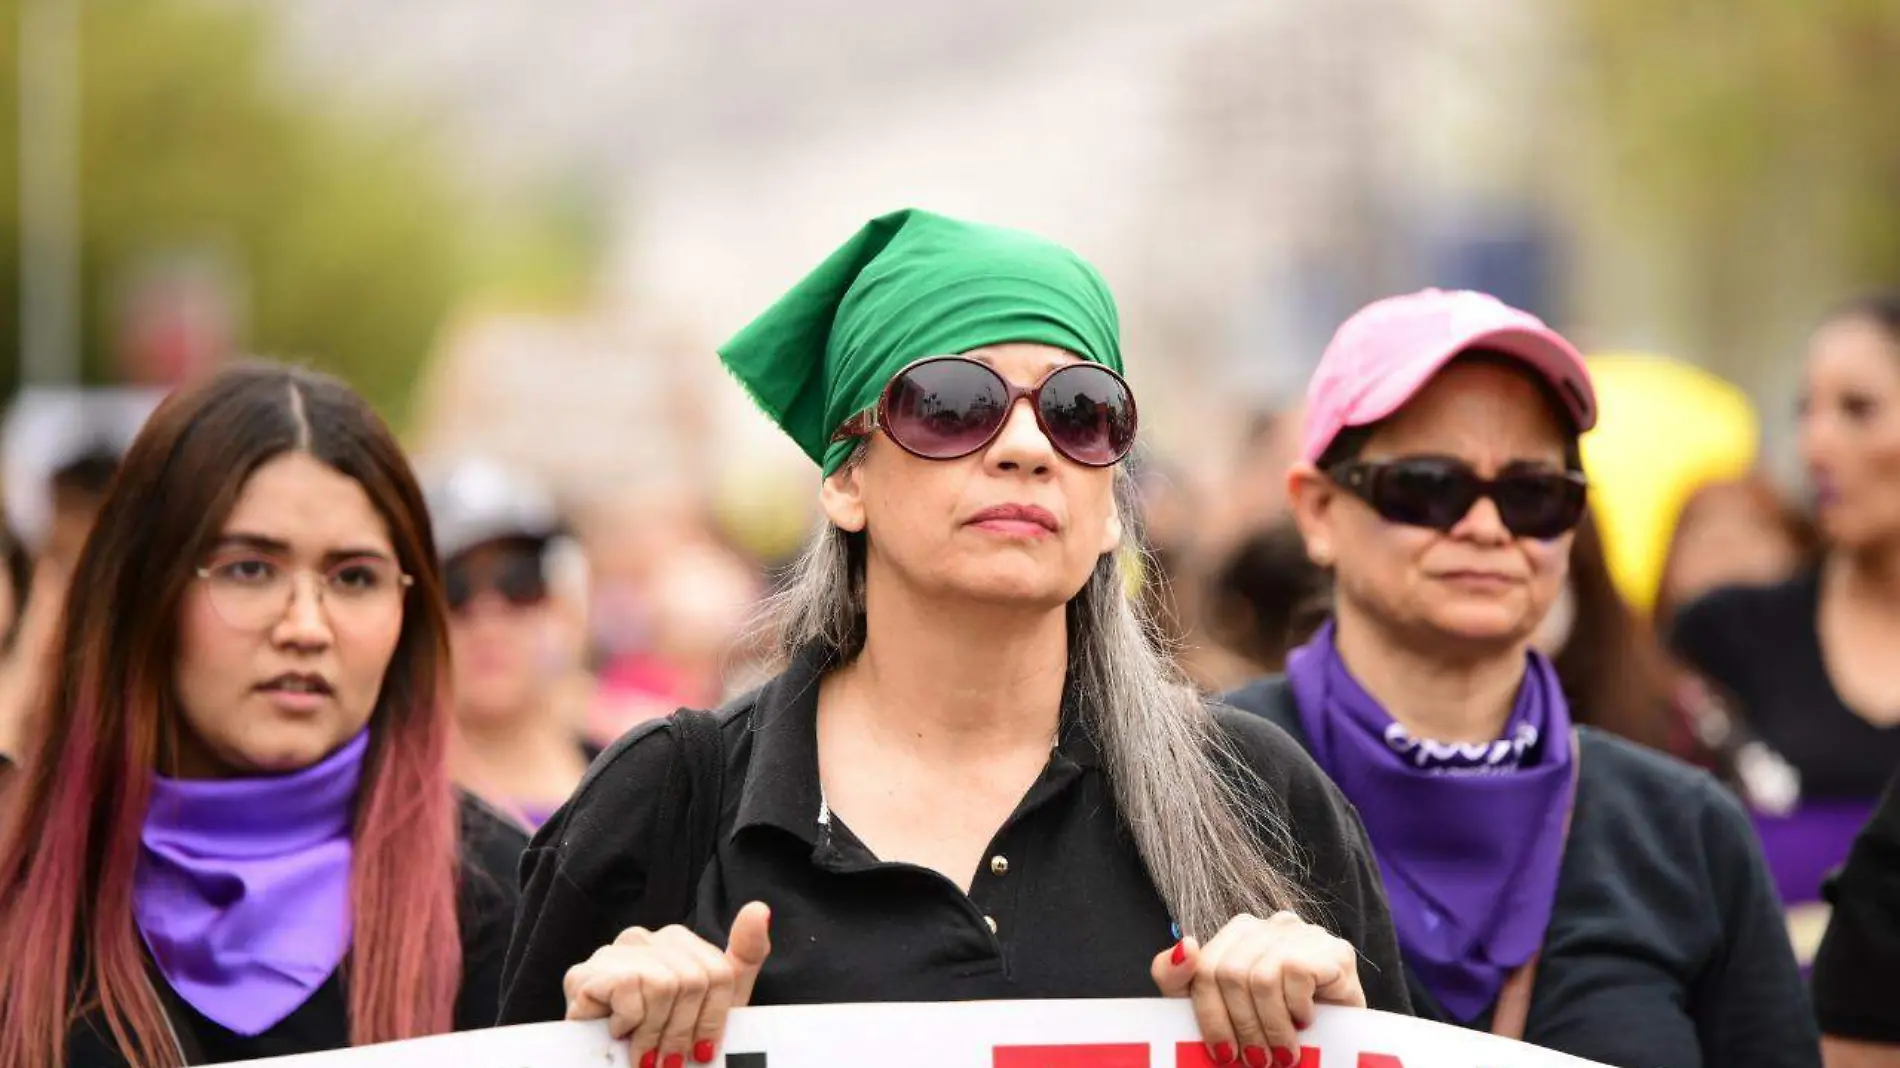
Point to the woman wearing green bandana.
(977, 777)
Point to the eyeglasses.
(517, 577)
(251, 591)
(1437, 492)
(946, 407)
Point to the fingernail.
(1255, 1056)
(1285, 1058)
(703, 1052)
(649, 1058)
(674, 1060)
(1179, 956)
(1223, 1053)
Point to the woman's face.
(1850, 431)
(268, 686)
(1476, 583)
(1727, 539)
(502, 631)
(929, 522)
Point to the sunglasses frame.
(1358, 477)
(874, 419)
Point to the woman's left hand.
(1255, 984)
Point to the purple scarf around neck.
(243, 887)
(1469, 838)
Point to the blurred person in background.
(515, 581)
(59, 452)
(1267, 597)
(1549, 882)
(1809, 662)
(972, 734)
(1733, 532)
(239, 793)
(15, 611)
(1171, 517)
(672, 611)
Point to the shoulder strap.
(687, 819)
(1514, 1001)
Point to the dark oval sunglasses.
(517, 576)
(1436, 492)
(947, 407)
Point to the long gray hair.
(1197, 812)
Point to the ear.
(1314, 499)
(1112, 531)
(841, 495)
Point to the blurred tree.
(347, 238)
(1740, 130)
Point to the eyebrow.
(1043, 370)
(270, 546)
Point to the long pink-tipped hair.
(69, 825)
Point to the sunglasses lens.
(456, 588)
(1088, 414)
(943, 409)
(1424, 493)
(520, 581)
(1539, 506)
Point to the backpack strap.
(687, 820)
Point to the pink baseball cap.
(1388, 350)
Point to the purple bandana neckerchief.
(1469, 837)
(243, 887)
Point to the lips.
(298, 683)
(1026, 514)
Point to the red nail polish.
(649, 1058)
(674, 1060)
(1255, 1056)
(1222, 1054)
(1285, 1058)
(703, 1052)
(1179, 956)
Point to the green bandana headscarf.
(909, 285)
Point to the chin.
(1028, 587)
(287, 749)
(1489, 624)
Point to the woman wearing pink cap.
(1548, 882)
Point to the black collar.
(781, 787)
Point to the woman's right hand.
(670, 990)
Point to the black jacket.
(491, 848)
(1666, 943)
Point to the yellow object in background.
(1664, 429)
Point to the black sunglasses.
(1437, 492)
(946, 407)
(517, 577)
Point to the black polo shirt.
(1062, 906)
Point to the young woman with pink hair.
(235, 836)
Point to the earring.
(1322, 555)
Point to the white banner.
(1147, 1033)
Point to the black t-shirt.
(1063, 907)
(1857, 971)
(486, 897)
(1762, 645)
(1666, 944)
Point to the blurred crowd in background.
(520, 228)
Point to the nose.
(305, 624)
(1021, 444)
(1483, 524)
